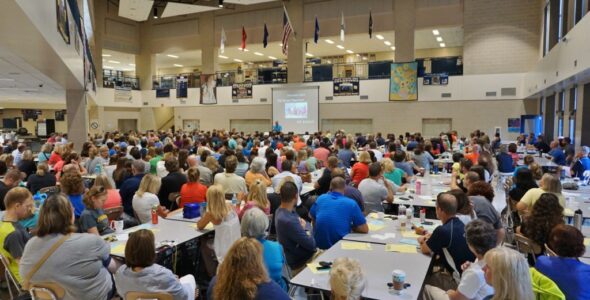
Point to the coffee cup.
(399, 279)
(117, 225)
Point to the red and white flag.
(287, 29)
(244, 36)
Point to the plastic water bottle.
(410, 213)
(234, 200)
(401, 211)
(98, 169)
(578, 217)
(423, 215)
(203, 208)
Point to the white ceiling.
(177, 9)
(118, 60)
(20, 82)
(185, 59)
(136, 10)
(451, 36)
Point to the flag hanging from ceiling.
(342, 27)
(244, 36)
(287, 30)
(222, 46)
(316, 35)
(265, 40)
(370, 25)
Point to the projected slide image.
(296, 110)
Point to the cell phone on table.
(324, 265)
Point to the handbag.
(26, 281)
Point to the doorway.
(126, 125)
(433, 127)
(190, 125)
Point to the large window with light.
(560, 113)
(573, 106)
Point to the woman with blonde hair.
(360, 170)
(347, 279)
(146, 197)
(243, 275)
(213, 165)
(41, 179)
(56, 155)
(549, 184)
(45, 153)
(224, 219)
(507, 271)
(257, 197)
(392, 173)
(113, 196)
(8, 159)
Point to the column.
(99, 17)
(77, 116)
(208, 43)
(404, 25)
(296, 55)
(145, 61)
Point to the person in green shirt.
(392, 173)
(154, 161)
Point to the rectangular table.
(377, 265)
(177, 216)
(387, 231)
(166, 232)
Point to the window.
(573, 106)
(546, 22)
(563, 10)
(560, 112)
(541, 105)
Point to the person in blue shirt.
(569, 273)
(254, 225)
(556, 153)
(277, 127)
(335, 215)
(582, 163)
(505, 161)
(130, 186)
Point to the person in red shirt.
(473, 156)
(360, 170)
(193, 191)
(56, 155)
(322, 153)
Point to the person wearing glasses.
(93, 219)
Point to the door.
(126, 125)
(190, 125)
(353, 126)
(531, 123)
(50, 126)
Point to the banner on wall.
(513, 124)
(403, 81)
(436, 79)
(123, 94)
(241, 91)
(347, 86)
(181, 87)
(60, 115)
(208, 91)
(162, 93)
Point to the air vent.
(446, 95)
(490, 94)
(234, 100)
(575, 63)
(328, 98)
(145, 104)
(364, 97)
(508, 91)
(263, 99)
(556, 73)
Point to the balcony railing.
(112, 79)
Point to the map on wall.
(403, 82)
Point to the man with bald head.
(205, 174)
(335, 215)
(450, 235)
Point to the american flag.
(287, 29)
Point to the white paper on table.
(383, 236)
(122, 237)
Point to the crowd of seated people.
(358, 175)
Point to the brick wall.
(501, 36)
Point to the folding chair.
(148, 296)
(14, 288)
(527, 246)
(46, 291)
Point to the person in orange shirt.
(193, 191)
(299, 143)
(473, 156)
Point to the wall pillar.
(145, 61)
(77, 116)
(99, 17)
(404, 12)
(296, 54)
(208, 43)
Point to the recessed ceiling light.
(392, 48)
(281, 44)
(329, 41)
(364, 58)
(172, 56)
(379, 37)
(442, 44)
(114, 62)
(358, 55)
(177, 65)
(308, 54)
(238, 60)
(435, 32)
(272, 57)
(350, 51)
(222, 56)
(106, 55)
(107, 67)
(388, 43)
(258, 53)
(439, 39)
(339, 46)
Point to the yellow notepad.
(313, 267)
(119, 249)
(375, 227)
(373, 215)
(587, 241)
(400, 248)
(356, 246)
(409, 234)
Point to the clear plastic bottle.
(234, 200)
(410, 213)
(401, 211)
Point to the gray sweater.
(153, 279)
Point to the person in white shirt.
(288, 171)
(231, 183)
(481, 237)
(18, 153)
(262, 150)
(378, 154)
(146, 197)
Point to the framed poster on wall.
(347, 86)
(241, 91)
(208, 89)
(403, 81)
